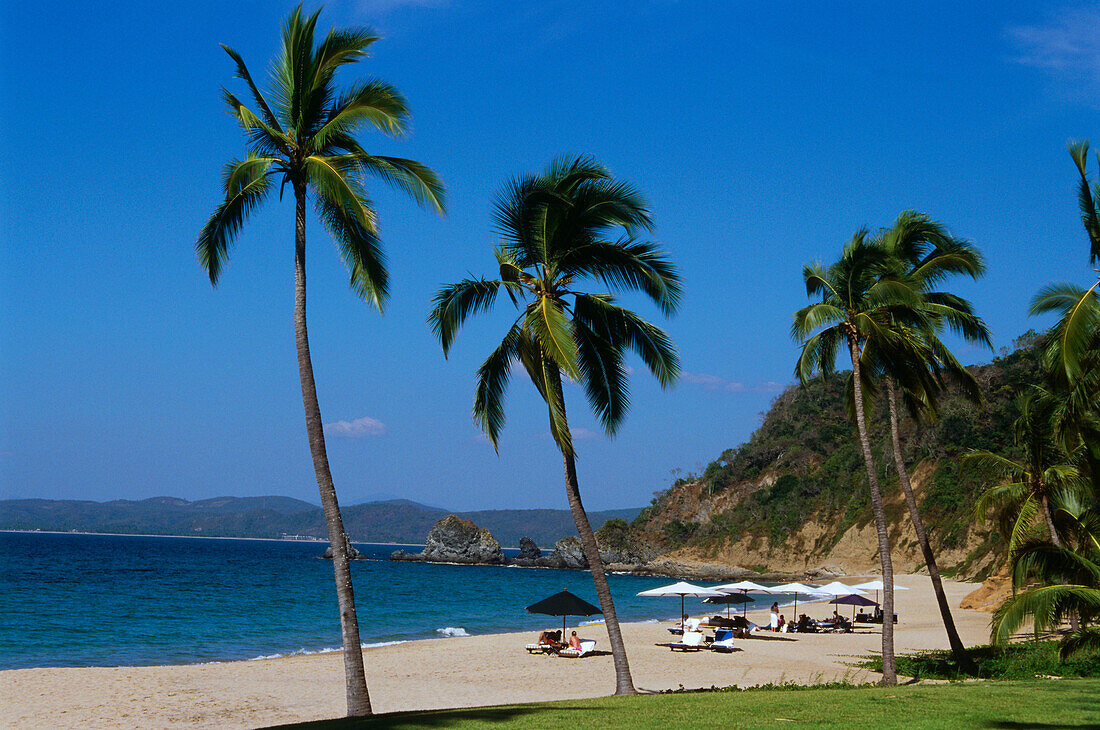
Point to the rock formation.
(455, 540)
(353, 553)
(528, 550)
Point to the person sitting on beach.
(774, 624)
(551, 639)
(782, 624)
(574, 642)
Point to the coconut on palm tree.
(303, 134)
(926, 254)
(570, 225)
(863, 300)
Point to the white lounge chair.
(723, 641)
(587, 646)
(693, 641)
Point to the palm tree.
(1088, 198)
(305, 138)
(927, 253)
(570, 223)
(1069, 583)
(863, 299)
(1034, 485)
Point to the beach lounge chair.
(587, 646)
(692, 641)
(723, 641)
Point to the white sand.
(457, 672)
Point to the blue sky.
(763, 135)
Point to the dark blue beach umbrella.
(729, 599)
(853, 600)
(564, 604)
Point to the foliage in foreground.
(1017, 661)
(1037, 703)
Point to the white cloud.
(357, 429)
(580, 434)
(716, 383)
(1067, 47)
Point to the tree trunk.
(889, 672)
(957, 647)
(624, 683)
(358, 699)
(1054, 538)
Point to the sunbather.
(574, 641)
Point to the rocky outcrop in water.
(455, 540)
(353, 553)
(528, 549)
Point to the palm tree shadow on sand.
(437, 718)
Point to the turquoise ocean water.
(105, 600)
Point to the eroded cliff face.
(821, 544)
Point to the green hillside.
(397, 520)
(803, 464)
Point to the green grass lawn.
(1061, 703)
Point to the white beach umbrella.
(743, 586)
(876, 586)
(836, 588)
(682, 590)
(797, 588)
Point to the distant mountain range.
(393, 520)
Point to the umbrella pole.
(681, 615)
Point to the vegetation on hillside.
(802, 463)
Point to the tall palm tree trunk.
(624, 683)
(1054, 538)
(889, 672)
(957, 647)
(358, 699)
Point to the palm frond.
(453, 304)
(628, 264)
(1078, 328)
(492, 381)
(1046, 606)
(623, 328)
(418, 180)
(244, 75)
(548, 324)
(602, 372)
(1090, 210)
(1079, 641)
(246, 184)
(373, 102)
(811, 317)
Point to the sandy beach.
(458, 672)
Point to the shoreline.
(317, 541)
(479, 670)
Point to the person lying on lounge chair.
(551, 639)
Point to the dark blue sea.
(106, 600)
